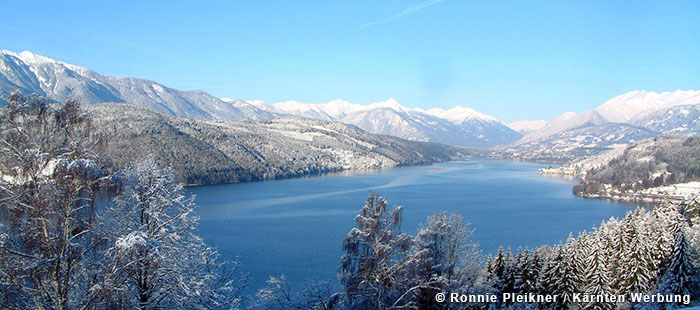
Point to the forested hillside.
(649, 163)
(213, 152)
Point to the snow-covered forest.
(215, 152)
(663, 160)
(58, 250)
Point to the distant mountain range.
(457, 126)
(631, 116)
(57, 80)
(525, 127)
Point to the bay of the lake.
(296, 227)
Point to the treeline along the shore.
(141, 252)
(663, 160)
(215, 152)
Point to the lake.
(296, 227)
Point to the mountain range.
(624, 118)
(457, 126)
(632, 116)
(32, 73)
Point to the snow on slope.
(680, 119)
(628, 108)
(457, 126)
(32, 73)
(459, 114)
(525, 127)
(623, 108)
(332, 110)
(564, 122)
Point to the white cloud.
(406, 11)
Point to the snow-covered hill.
(32, 73)
(212, 152)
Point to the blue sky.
(513, 60)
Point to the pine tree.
(528, 267)
(680, 276)
(495, 269)
(636, 275)
(565, 276)
(596, 280)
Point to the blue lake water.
(296, 227)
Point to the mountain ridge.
(33, 73)
(59, 81)
(456, 126)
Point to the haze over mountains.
(630, 116)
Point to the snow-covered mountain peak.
(253, 102)
(339, 108)
(463, 113)
(629, 105)
(292, 105)
(391, 118)
(236, 102)
(260, 104)
(30, 57)
(36, 59)
(390, 103)
(460, 114)
(33, 73)
(339, 102)
(564, 116)
(629, 108)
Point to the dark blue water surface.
(296, 227)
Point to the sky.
(514, 60)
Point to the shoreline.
(672, 193)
